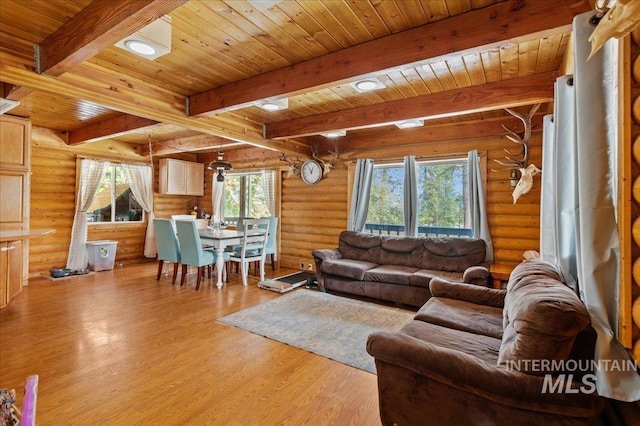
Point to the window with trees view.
(114, 201)
(244, 196)
(442, 194)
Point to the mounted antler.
(294, 166)
(326, 165)
(519, 166)
(523, 141)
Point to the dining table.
(219, 239)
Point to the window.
(443, 203)
(244, 196)
(114, 201)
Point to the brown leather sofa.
(479, 356)
(398, 269)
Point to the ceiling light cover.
(7, 105)
(367, 85)
(335, 134)
(410, 124)
(274, 105)
(150, 42)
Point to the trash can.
(101, 255)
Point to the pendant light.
(220, 166)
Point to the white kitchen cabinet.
(178, 177)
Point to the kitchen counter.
(24, 235)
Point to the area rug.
(325, 324)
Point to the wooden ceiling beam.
(109, 129)
(468, 33)
(13, 92)
(502, 94)
(129, 95)
(188, 144)
(100, 25)
(393, 136)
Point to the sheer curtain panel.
(91, 174)
(140, 179)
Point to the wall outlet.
(310, 267)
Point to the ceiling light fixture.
(334, 134)
(220, 165)
(274, 105)
(7, 105)
(150, 42)
(367, 85)
(409, 124)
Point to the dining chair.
(253, 247)
(167, 244)
(191, 251)
(271, 247)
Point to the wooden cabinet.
(15, 163)
(11, 260)
(178, 177)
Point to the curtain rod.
(113, 159)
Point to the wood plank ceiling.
(445, 61)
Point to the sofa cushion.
(394, 274)
(453, 254)
(533, 267)
(423, 277)
(405, 251)
(349, 268)
(482, 347)
(360, 246)
(541, 319)
(462, 315)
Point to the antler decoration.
(518, 162)
(326, 165)
(294, 166)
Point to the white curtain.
(360, 195)
(410, 198)
(91, 174)
(217, 195)
(267, 185)
(589, 175)
(477, 204)
(558, 206)
(140, 178)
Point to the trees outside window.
(244, 196)
(442, 194)
(114, 201)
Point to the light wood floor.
(120, 348)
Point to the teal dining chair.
(271, 247)
(191, 251)
(167, 244)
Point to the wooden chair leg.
(200, 273)
(273, 265)
(227, 269)
(184, 274)
(175, 273)
(160, 262)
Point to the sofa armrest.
(440, 287)
(476, 275)
(325, 254)
(470, 374)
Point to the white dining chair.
(253, 247)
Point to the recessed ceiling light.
(140, 47)
(367, 85)
(409, 124)
(334, 134)
(274, 105)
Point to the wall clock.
(311, 172)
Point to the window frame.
(143, 219)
